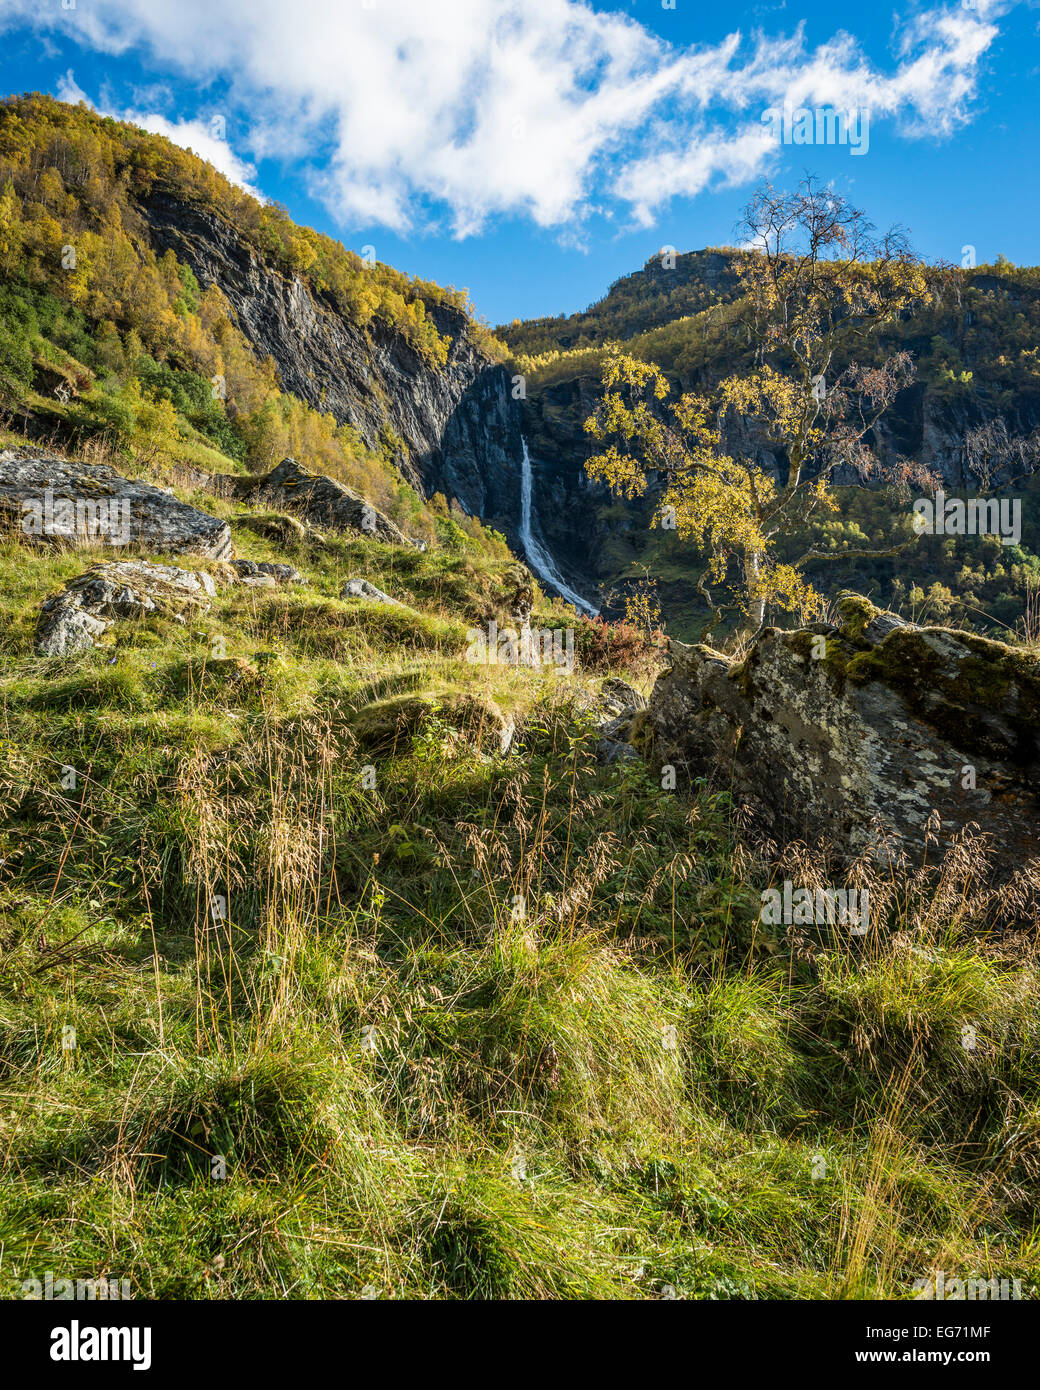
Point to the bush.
(603, 646)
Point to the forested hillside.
(105, 337)
(971, 416)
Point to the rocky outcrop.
(318, 499)
(56, 501)
(76, 618)
(265, 574)
(865, 733)
(618, 704)
(361, 588)
(519, 601)
(66, 627)
(478, 459)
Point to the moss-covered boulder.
(53, 501)
(871, 731)
(314, 497)
(388, 727)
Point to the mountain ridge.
(399, 387)
(977, 365)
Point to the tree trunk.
(756, 605)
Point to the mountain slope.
(139, 280)
(977, 353)
(345, 954)
(312, 985)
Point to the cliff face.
(570, 505)
(456, 429)
(983, 329)
(922, 425)
(458, 426)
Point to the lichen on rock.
(864, 733)
(314, 497)
(76, 618)
(58, 502)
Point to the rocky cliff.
(454, 429)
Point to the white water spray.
(537, 556)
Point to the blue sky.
(535, 150)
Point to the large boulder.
(73, 620)
(318, 499)
(868, 733)
(55, 501)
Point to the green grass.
(491, 1027)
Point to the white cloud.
(69, 90)
(411, 109)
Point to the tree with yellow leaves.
(816, 284)
(10, 228)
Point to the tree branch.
(856, 553)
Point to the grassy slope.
(523, 934)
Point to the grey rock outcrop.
(361, 588)
(618, 698)
(64, 628)
(56, 501)
(266, 574)
(618, 703)
(73, 620)
(863, 734)
(456, 426)
(317, 499)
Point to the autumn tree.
(817, 284)
(11, 232)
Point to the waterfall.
(537, 556)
